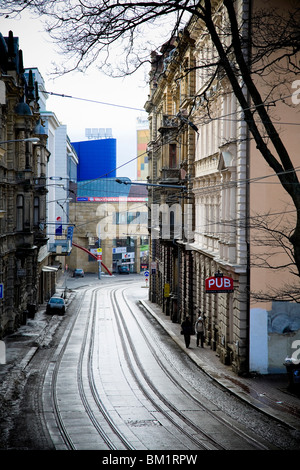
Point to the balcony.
(40, 185)
(60, 247)
(23, 180)
(40, 237)
(169, 123)
(172, 176)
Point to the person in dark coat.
(187, 330)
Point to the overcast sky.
(77, 114)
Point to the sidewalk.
(269, 393)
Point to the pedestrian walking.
(187, 330)
(199, 330)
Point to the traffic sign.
(146, 273)
(1, 291)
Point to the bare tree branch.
(118, 36)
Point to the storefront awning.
(49, 269)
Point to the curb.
(225, 383)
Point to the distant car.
(123, 269)
(56, 304)
(78, 273)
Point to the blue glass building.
(92, 190)
(97, 159)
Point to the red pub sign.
(219, 283)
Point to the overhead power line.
(93, 101)
(222, 117)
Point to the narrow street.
(113, 379)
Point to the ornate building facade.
(200, 141)
(23, 161)
(171, 168)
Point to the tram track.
(92, 402)
(54, 375)
(188, 427)
(89, 347)
(86, 348)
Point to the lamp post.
(173, 186)
(99, 256)
(58, 178)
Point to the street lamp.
(176, 186)
(66, 199)
(34, 140)
(57, 178)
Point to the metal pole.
(99, 256)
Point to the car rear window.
(57, 301)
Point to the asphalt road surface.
(107, 377)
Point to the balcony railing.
(171, 175)
(60, 247)
(40, 184)
(168, 123)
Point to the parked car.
(78, 273)
(56, 304)
(123, 269)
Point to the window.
(120, 218)
(127, 218)
(36, 211)
(131, 217)
(172, 156)
(20, 212)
